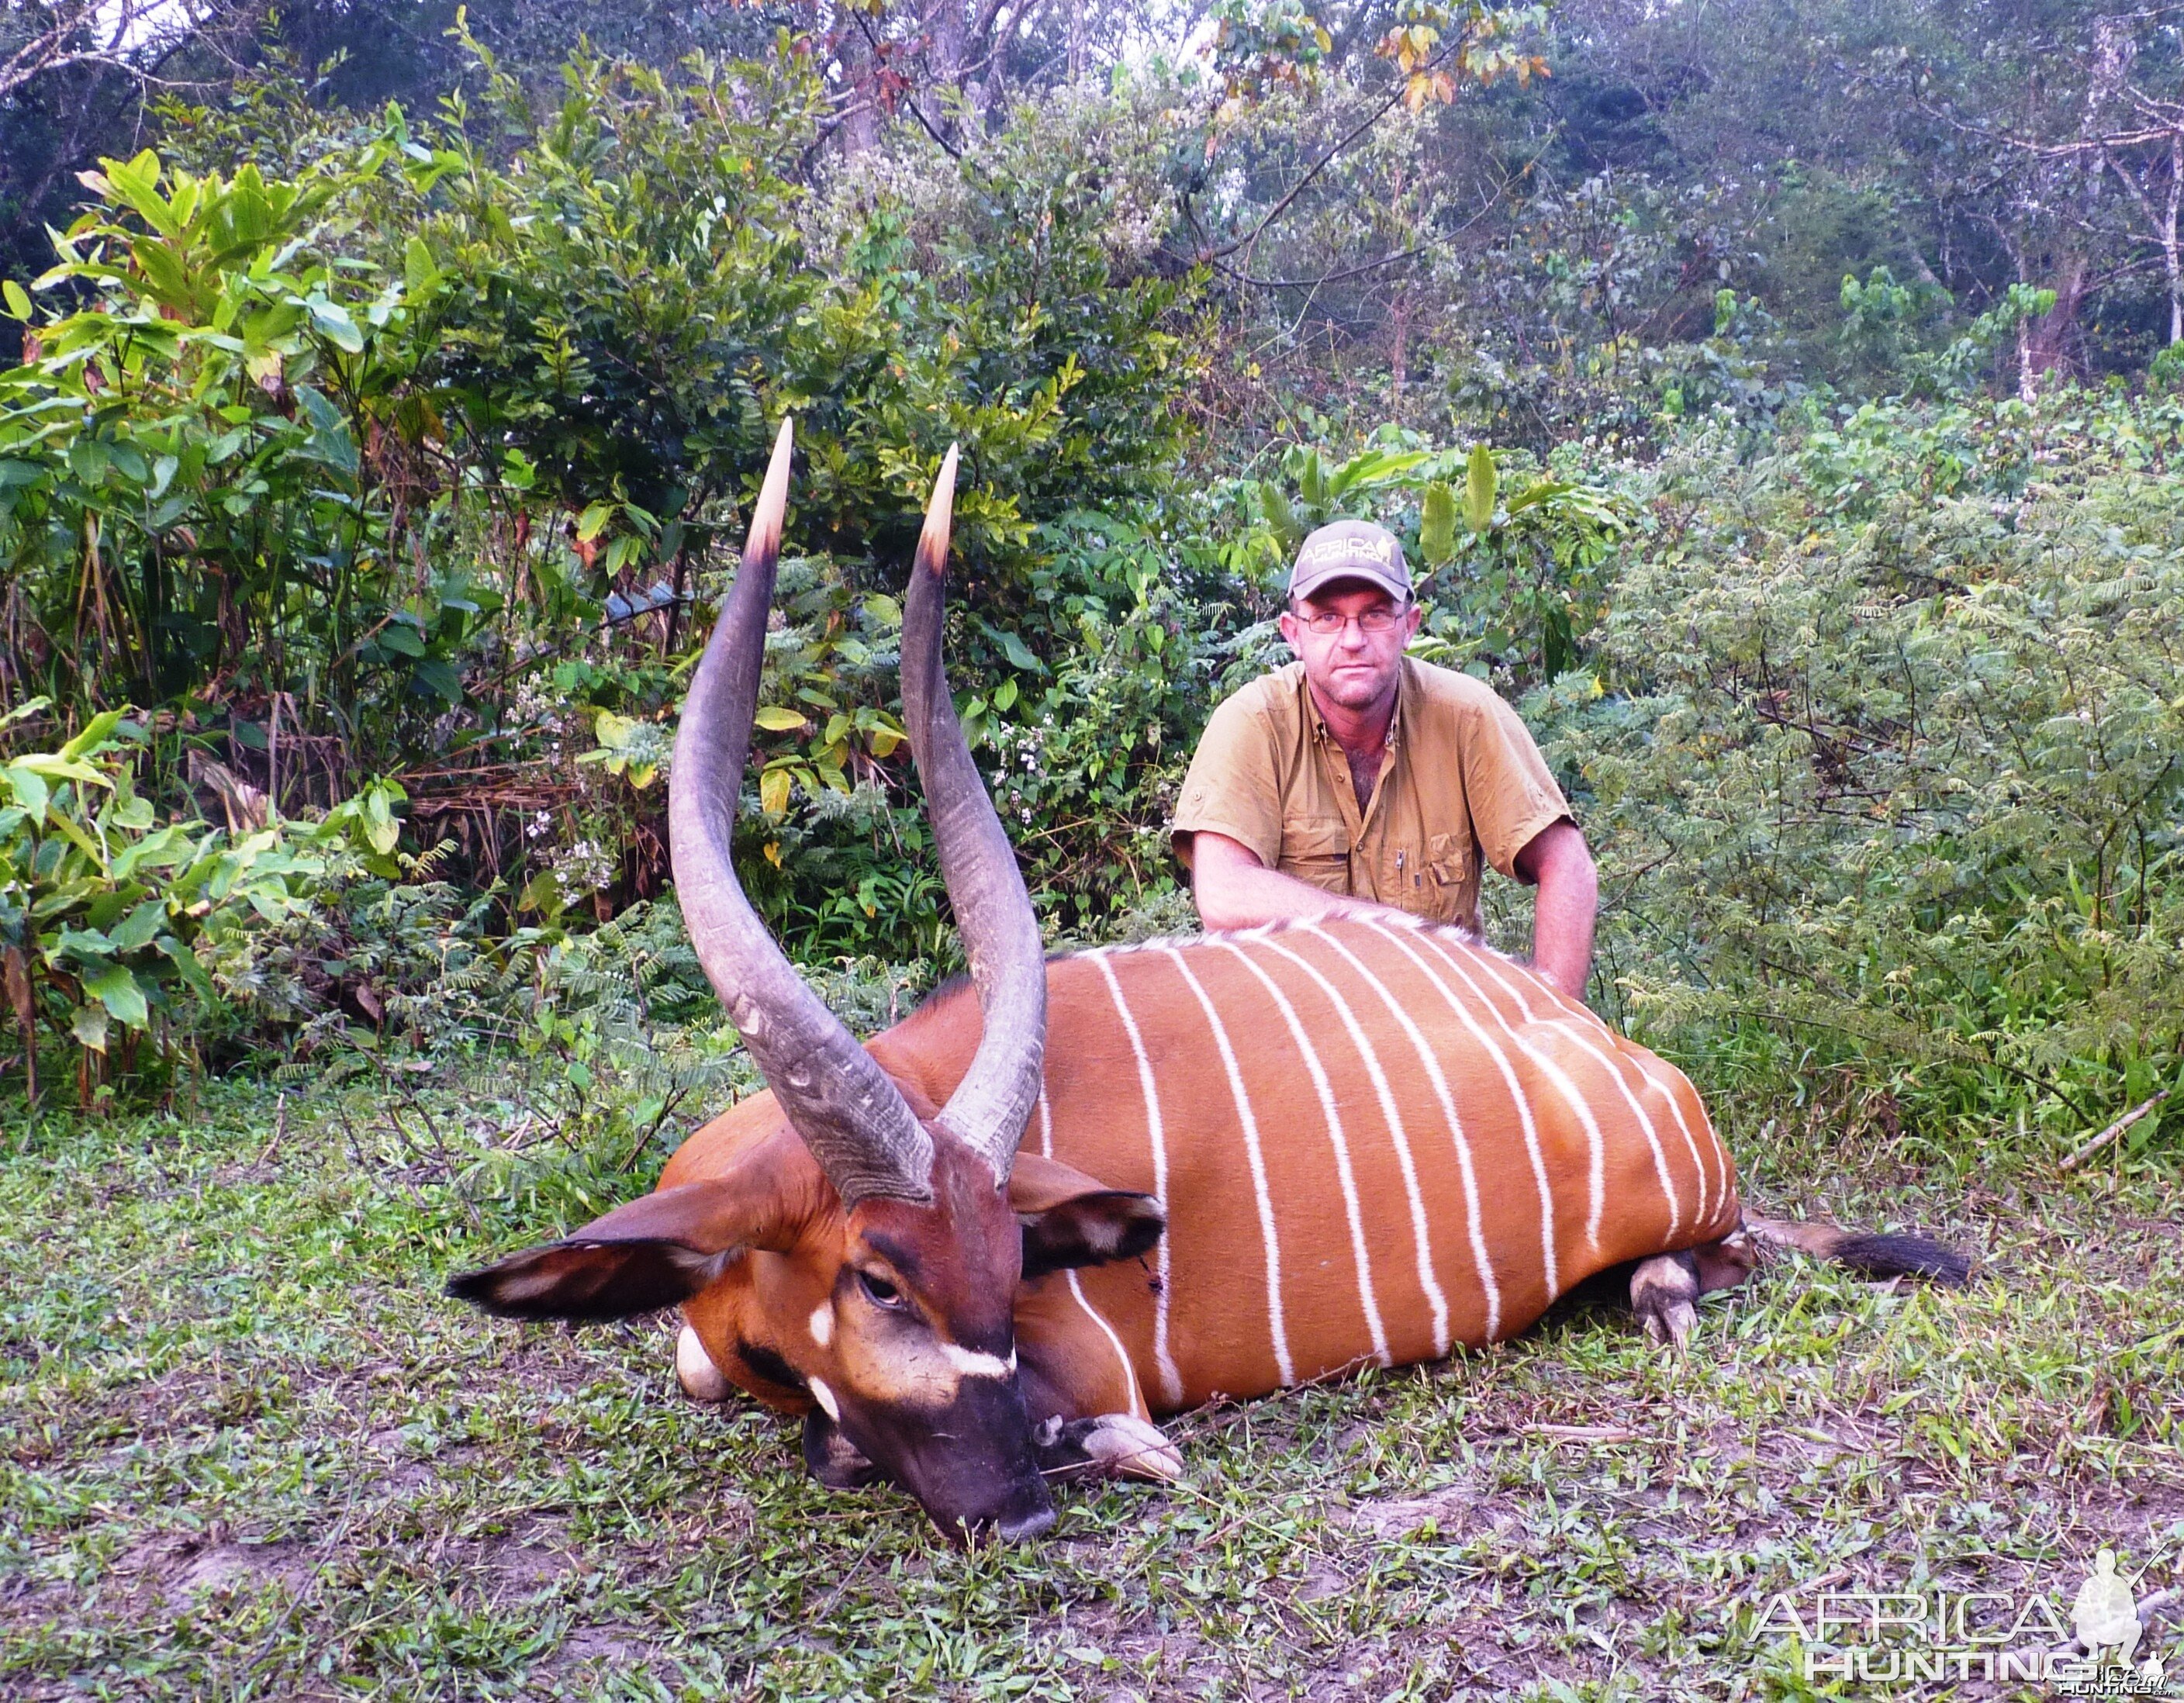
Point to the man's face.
(1353, 666)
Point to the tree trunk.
(2042, 342)
(2170, 259)
(1399, 358)
(860, 124)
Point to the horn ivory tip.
(768, 518)
(939, 516)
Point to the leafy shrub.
(1892, 752)
(105, 908)
(188, 460)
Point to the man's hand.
(1234, 890)
(1556, 860)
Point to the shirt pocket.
(1452, 878)
(1316, 853)
(1448, 860)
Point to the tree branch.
(1314, 283)
(1206, 255)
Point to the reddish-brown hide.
(1299, 1244)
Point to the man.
(1358, 780)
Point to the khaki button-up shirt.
(1461, 779)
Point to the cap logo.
(1380, 551)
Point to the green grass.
(247, 1449)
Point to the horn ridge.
(994, 912)
(846, 1109)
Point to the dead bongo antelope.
(995, 1242)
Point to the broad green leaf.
(777, 718)
(95, 732)
(117, 989)
(1479, 484)
(250, 212)
(1019, 653)
(334, 323)
(18, 300)
(594, 522)
(30, 790)
(1281, 518)
(186, 966)
(322, 413)
(1540, 493)
(1437, 524)
(70, 830)
(89, 1027)
(87, 947)
(162, 272)
(1374, 467)
(419, 273)
(773, 792)
(135, 184)
(1314, 481)
(381, 829)
(440, 678)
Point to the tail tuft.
(1876, 1255)
(1903, 1256)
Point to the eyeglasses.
(1327, 622)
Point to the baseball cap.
(1350, 550)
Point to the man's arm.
(1556, 860)
(1234, 890)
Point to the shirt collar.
(1318, 722)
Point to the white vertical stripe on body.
(1690, 1140)
(1597, 1167)
(1560, 1022)
(1436, 1301)
(1489, 1287)
(1171, 1383)
(1518, 1096)
(1268, 1237)
(1317, 1072)
(1581, 1019)
(1129, 1372)
(1620, 1066)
